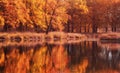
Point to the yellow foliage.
(60, 16)
(36, 12)
(1, 21)
(22, 11)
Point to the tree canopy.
(58, 15)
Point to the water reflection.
(83, 57)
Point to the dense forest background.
(59, 15)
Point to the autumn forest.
(59, 15)
(59, 36)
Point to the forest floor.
(64, 35)
(104, 35)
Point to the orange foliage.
(10, 14)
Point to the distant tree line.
(59, 15)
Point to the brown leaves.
(10, 14)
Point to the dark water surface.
(83, 57)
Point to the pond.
(82, 57)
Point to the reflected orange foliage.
(2, 57)
(16, 62)
(81, 68)
(60, 58)
(41, 61)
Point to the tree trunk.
(68, 26)
(94, 29)
(85, 29)
(80, 29)
(106, 29)
(88, 29)
(72, 24)
(113, 29)
(49, 27)
(7, 27)
(50, 22)
(72, 28)
(36, 28)
(20, 27)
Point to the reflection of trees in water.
(104, 62)
(2, 59)
(41, 61)
(80, 52)
(16, 62)
(109, 59)
(80, 55)
(49, 61)
(79, 58)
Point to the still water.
(83, 57)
